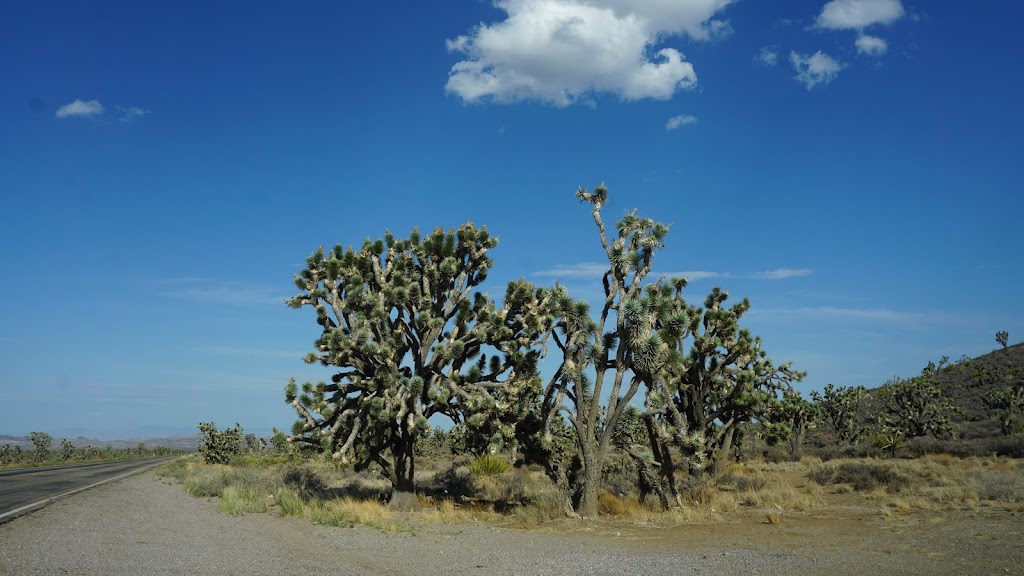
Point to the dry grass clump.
(862, 476)
(932, 482)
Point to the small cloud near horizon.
(224, 293)
(782, 273)
(597, 269)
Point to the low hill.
(968, 381)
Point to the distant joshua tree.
(1002, 337)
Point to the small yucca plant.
(891, 441)
(489, 465)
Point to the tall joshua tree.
(411, 338)
(593, 384)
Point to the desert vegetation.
(43, 452)
(658, 409)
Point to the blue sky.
(853, 167)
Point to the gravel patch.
(143, 526)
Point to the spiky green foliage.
(1008, 404)
(890, 441)
(703, 374)
(1003, 338)
(411, 337)
(41, 442)
(789, 418)
(598, 354)
(488, 465)
(842, 409)
(219, 446)
(916, 407)
(67, 451)
(713, 378)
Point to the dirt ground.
(841, 539)
(142, 525)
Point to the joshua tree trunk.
(403, 494)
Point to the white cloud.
(130, 113)
(561, 51)
(597, 269)
(680, 121)
(819, 68)
(767, 56)
(223, 293)
(859, 14)
(871, 45)
(81, 108)
(581, 270)
(782, 273)
(697, 275)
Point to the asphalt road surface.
(27, 489)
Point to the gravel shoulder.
(143, 526)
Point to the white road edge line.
(45, 501)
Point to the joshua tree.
(916, 407)
(67, 451)
(841, 408)
(1002, 337)
(702, 374)
(41, 442)
(789, 418)
(218, 446)
(712, 378)
(590, 386)
(1008, 402)
(412, 338)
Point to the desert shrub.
(620, 476)
(1010, 447)
(779, 455)
(742, 482)
(861, 476)
(697, 489)
(237, 500)
(1000, 486)
(205, 481)
(305, 481)
(488, 465)
(610, 504)
(455, 482)
(289, 502)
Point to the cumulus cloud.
(859, 14)
(680, 121)
(561, 51)
(767, 56)
(871, 45)
(80, 108)
(819, 68)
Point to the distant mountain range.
(178, 442)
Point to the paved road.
(25, 489)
